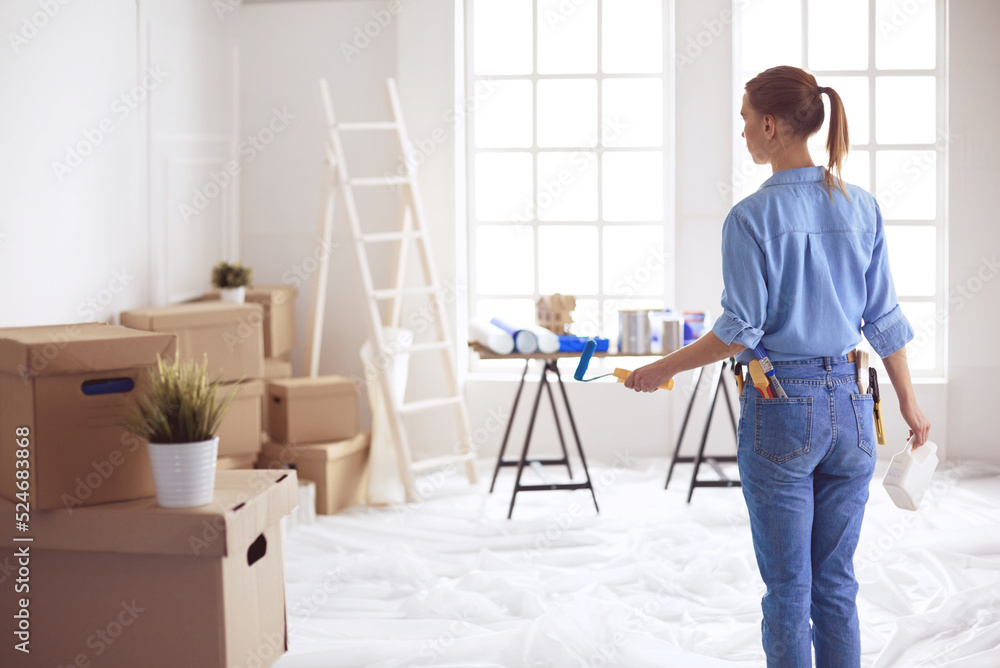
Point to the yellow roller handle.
(622, 374)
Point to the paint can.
(634, 333)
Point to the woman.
(805, 272)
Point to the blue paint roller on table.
(620, 374)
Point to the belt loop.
(826, 364)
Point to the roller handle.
(622, 374)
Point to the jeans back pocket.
(864, 411)
(783, 427)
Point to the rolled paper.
(524, 341)
(548, 341)
(492, 337)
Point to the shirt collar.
(798, 175)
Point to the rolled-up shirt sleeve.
(744, 294)
(885, 326)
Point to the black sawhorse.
(548, 366)
(712, 460)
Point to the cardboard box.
(340, 470)
(231, 334)
(133, 584)
(277, 369)
(312, 410)
(231, 462)
(278, 302)
(240, 432)
(274, 369)
(63, 389)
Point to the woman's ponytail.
(837, 142)
(791, 94)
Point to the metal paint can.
(634, 332)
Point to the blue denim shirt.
(805, 275)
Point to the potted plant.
(232, 280)
(178, 418)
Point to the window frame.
(477, 368)
(939, 300)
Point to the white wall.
(974, 235)
(79, 248)
(63, 236)
(286, 47)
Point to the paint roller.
(620, 374)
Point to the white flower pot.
(184, 473)
(235, 295)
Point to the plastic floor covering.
(650, 581)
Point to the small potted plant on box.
(232, 280)
(178, 418)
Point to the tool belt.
(867, 384)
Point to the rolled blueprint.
(548, 341)
(490, 336)
(524, 341)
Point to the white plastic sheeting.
(651, 581)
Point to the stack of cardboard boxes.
(313, 427)
(245, 344)
(104, 574)
(232, 337)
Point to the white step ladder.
(336, 179)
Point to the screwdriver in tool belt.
(873, 388)
(765, 364)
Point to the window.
(569, 158)
(886, 60)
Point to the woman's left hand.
(649, 378)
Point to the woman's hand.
(916, 421)
(649, 378)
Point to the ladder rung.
(437, 462)
(378, 180)
(431, 345)
(427, 404)
(392, 236)
(390, 293)
(373, 125)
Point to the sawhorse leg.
(713, 461)
(550, 366)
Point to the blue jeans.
(806, 462)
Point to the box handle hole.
(107, 386)
(257, 550)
